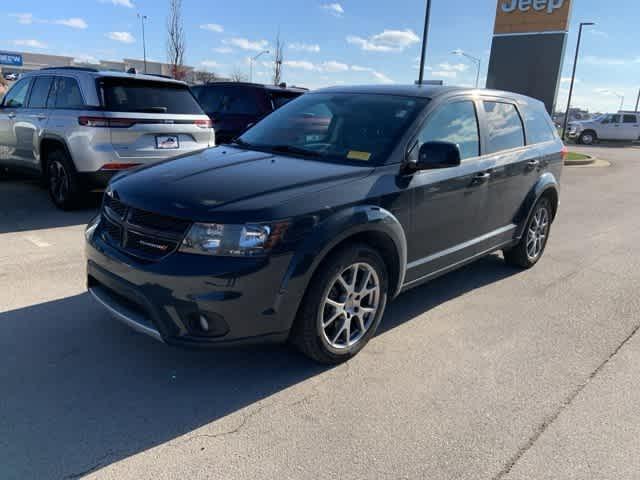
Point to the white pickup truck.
(611, 126)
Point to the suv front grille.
(140, 233)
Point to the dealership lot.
(488, 372)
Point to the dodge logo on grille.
(162, 248)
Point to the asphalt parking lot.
(486, 373)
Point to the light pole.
(425, 36)
(253, 59)
(573, 79)
(477, 61)
(638, 101)
(143, 18)
(621, 97)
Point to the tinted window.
(40, 92)
(630, 119)
(504, 127)
(126, 95)
(456, 123)
(281, 98)
(539, 129)
(338, 127)
(17, 96)
(65, 94)
(227, 99)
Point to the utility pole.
(573, 79)
(638, 101)
(143, 18)
(424, 42)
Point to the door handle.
(533, 164)
(480, 178)
(11, 115)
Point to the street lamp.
(477, 61)
(143, 18)
(573, 79)
(621, 97)
(423, 56)
(253, 59)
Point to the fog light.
(204, 323)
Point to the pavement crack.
(563, 406)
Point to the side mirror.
(436, 155)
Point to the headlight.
(232, 240)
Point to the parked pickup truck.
(613, 126)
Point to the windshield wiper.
(292, 149)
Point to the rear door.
(153, 120)
(11, 125)
(514, 166)
(630, 128)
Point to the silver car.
(80, 126)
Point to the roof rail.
(82, 69)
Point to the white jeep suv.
(80, 126)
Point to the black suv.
(301, 234)
(233, 106)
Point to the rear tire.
(533, 243)
(343, 305)
(62, 180)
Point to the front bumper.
(240, 299)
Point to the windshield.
(131, 95)
(339, 127)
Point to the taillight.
(565, 153)
(203, 123)
(112, 167)
(106, 122)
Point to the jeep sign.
(525, 5)
(532, 16)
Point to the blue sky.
(328, 43)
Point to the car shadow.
(80, 391)
(25, 206)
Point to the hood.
(199, 185)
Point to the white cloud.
(444, 74)
(379, 76)
(72, 22)
(246, 44)
(224, 50)
(212, 27)
(333, 66)
(119, 3)
(606, 61)
(387, 41)
(23, 18)
(333, 8)
(211, 64)
(598, 33)
(124, 37)
(304, 47)
(300, 64)
(453, 67)
(30, 43)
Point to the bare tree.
(176, 39)
(201, 76)
(278, 58)
(238, 76)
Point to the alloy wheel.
(537, 233)
(350, 306)
(58, 181)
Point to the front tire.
(587, 138)
(62, 181)
(533, 243)
(343, 305)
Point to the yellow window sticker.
(355, 155)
